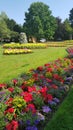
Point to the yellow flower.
(19, 105)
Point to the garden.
(30, 100)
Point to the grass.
(11, 66)
(63, 118)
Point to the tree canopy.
(39, 21)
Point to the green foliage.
(38, 100)
(68, 29)
(28, 118)
(4, 31)
(71, 17)
(9, 29)
(43, 23)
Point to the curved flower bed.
(26, 45)
(16, 51)
(28, 102)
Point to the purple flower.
(56, 100)
(21, 122)
(52, 102)
(2, 92)
(31, 128)
(40, 116)
(36, 122)
(28, 122)
(68, 78)
(46, 109)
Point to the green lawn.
(11, 66)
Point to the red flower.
(49, 97)
(9, 101)
(35, 76)
(57, 77)
(31, 89)
(24, 87)
(48, 80)
(41, 76)
(54, 86)
(15, 81)
(10, 110)
(43, 91)
(22, 93)
(11, 89)
(2, 86)
(12, 125)
(9, 126)
(27, 97)
(49, 69)
(40, 68)
(47, 65)
(31, 107)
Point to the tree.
(39, 22)
(11, 24)
(71, 17)
(59, 33)
(4, 31)
(3, 16)
(18, 28)
(68, 29)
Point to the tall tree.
(59, 35)
(39, 21)
(4, 31)
(71, 17)
(68, 29)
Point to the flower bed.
(57, 44)
(16, 51)
(70, 51)
(27, 103)
(27, 45)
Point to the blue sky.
(16, 9)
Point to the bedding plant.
(30, 101)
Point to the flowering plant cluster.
(70, 51)
(16, 51)
(57, 44)
(36, 98)
(26, 45)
